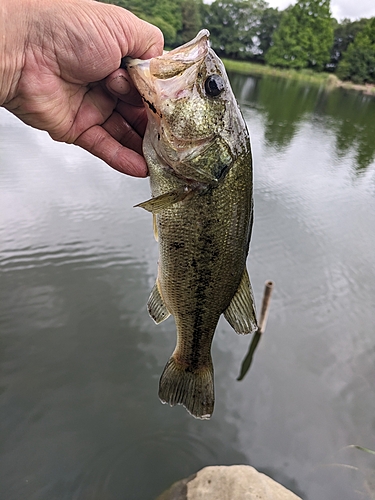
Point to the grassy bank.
(306, 75)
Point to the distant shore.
(328, 79)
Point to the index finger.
(100, 143)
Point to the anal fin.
(156, 306)
(240, 313)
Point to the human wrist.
(13, 38)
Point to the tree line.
(305, 35)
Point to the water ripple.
(68, 254)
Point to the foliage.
(344, 35)
(165, 14)
(304, 37)
(179, 20)
(358, 62)
(304, 75)
(269, 22)
(234, 26)
(191, 11)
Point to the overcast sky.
(353, 9)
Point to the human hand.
(61, 74)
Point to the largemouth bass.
(198, 153)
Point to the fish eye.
(214, 85)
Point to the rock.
(234, 482)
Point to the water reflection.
(80, 359)
(284, 104)
(354, 126)
(80, 366)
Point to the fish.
(198, 152)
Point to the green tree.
(358, 62)
(170, 12)
(165, 14)
(269, 22)
(344, 34)
(234, 25)
(191, 12)
(304, 37)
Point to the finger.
(136, 117)
(144, 39)
(119, 83)
(123, 132)
(100, 143)
(130, 104)
(93, 108)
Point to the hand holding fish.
(59, 72)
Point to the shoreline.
(329, 80)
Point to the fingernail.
(119, 84)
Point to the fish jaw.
(178, 60)
(145, 73)
(159, 78)
(181, 120)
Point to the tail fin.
(194, 389)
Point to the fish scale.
(202, 203)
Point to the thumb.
(138, 38)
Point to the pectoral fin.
(156, 307)
(165, 200)
(240, 313)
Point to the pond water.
(80, 359)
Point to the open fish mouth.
(171, 76)
(170, 64)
